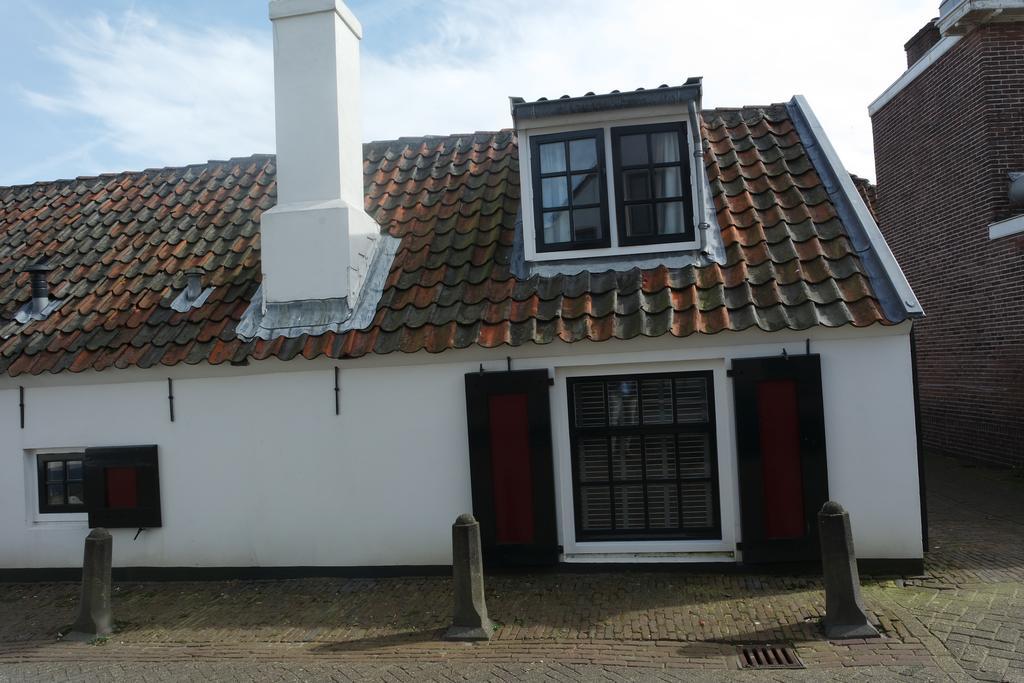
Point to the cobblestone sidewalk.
(959, 622)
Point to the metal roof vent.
(194, 295)
(41, 304)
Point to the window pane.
(694, 458)
(55, 494)
(629, 507)
(583, 154)
(636, 185)
(585, 189)
(660, 456)
(663, 506)
(74, 470)
(55, 470)
(556, 227)
(697, 504)
(691, 400)
(586, 224)
(670, 218)
(633, 150)
(75, 494)
(668, 182)
(593, 459)
(665, 147)
(595, 507)
(639, 221)
(622, 405)
(589, 397)
(552, 157)
(626, 465)
(553, 192)
(656, 395)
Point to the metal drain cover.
(768, 657)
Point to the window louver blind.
(644, 456)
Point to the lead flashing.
(318, 316)
(927, 59)
(664, 95)
(891, 287)
(1010, 226)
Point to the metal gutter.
(927, 59)
(894, 293)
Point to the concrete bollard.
(94, 615)
(469, 621)
(844, 610)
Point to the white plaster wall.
(257, 470)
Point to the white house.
(625, 330)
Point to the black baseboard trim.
(867, 567)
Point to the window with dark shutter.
(644, 457)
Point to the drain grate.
(768, 657)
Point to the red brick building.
(948, 134)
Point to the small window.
(652, 184)
(644, 457)
(61, 482)
(570, 199)
(117, 486)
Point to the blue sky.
(112, 85)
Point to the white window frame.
(704, 550)
(605, 121)
(33, 515)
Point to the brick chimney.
(922, 41)
(311, 237)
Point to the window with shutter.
(644, 457)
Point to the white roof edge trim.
(930, 57)
(873, 234)
(1010, 226)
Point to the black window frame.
(536, 141)
(42, 460)
(686, 177)
(709, 428)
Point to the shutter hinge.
(732, 373)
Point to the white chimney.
(307, 239)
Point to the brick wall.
(943, 148)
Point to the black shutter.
(512, 467)
(122, 487)
(798, 380)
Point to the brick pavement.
(955, 623)
(972, 598)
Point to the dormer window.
(569, 181)
(652, 183)
(610, 175)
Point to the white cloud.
(178, 95)
(163, 93)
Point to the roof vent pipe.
(40, 286)
(193, 296)
(194, 283)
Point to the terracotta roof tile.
(119, 245)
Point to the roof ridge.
(152, 169)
